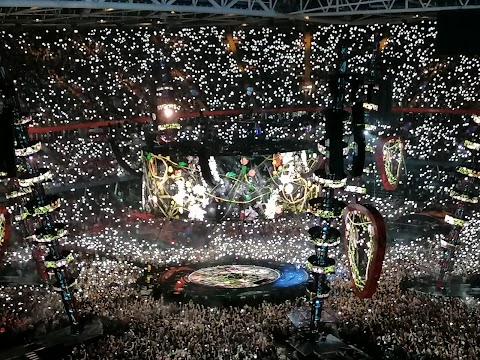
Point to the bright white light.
(168, 113)
(288, 188)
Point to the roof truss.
(218, 12)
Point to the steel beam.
(317, 8)
(219, 12)
(263, 8)
(257, 8)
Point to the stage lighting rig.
(48, 232)
(366, 249)
(327, 208)
(165, 107)
(41, 207)
(445, 279)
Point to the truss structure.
(139, 12)
(369, 7)
(218, 12)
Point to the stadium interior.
(239, 179)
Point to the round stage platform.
(238, 281)
(234, 276)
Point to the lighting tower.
(327, 208)
(165, 114)
(41, 206)
(30, 179)
(324, 237)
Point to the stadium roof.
(219, 12)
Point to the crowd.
(27, 311)
(66, 75)
(394, 324)
(408, 324)
(188, 331)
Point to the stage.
(230, 281)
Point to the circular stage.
(234, 276)
(238, 281)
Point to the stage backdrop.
(222, 187)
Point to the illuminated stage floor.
(234, 276)
(239, 281)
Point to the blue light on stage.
(291, 275)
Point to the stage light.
(288, 188)
(168, 113)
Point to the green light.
(182, 163)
